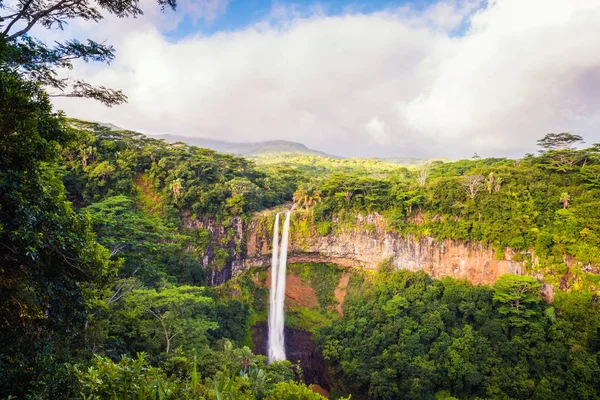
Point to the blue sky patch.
(243, 13)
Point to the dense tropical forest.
(117, 253)
(104, 293)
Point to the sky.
(414, 78)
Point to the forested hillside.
(142, 288)
(545, 208)
(110, 243)
(101, 291)
(406, 336)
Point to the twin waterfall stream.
(276, 346)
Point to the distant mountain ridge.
(248, 149)
(264, 148)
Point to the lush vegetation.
(105, 233)
(109, 240)
(101, 290)
(544, 208)
(171, 176)
(406, 336)
(315, 166)
(97, 303)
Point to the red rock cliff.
(369, 243)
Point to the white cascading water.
(276, 350)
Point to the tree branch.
(107, 96)
(36, 17)
(117, 249)
(113, 299)
(18, 16)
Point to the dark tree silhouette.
(38, 62)
(559, 141)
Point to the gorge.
(374, 286)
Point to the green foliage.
(293, 391)
(404, 335)
(308, 319)
(104, 162)
(103, 233)
(219, 260)
(546, 204)
(300, 230)
(127, 379)
(312, 165)
(242, 375)
(49, 257)
(323, 227)
(38, 62)
(145, 243)
(163, 322)
(171, 316)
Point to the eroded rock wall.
(366, 244)
(369, 243)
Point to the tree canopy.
(559, 141)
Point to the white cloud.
(390, 83)
(378, 130)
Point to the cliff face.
(369, 243)
(365, 245)
(224, 255)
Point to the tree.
(472, 184)
(307, 196)
(565, 199)
(176, 187)
(245, 195)
(179, 311)
(148, 248)
(246, 358)
(498, 184)
(128, 379)
(422, 173)
(38, 62)
(341, 186)
(591, 175)
(517, 291)
(493, 183)
(49, 258)
(293, 391)
(562, 160)
(410, 199)
(559, 141)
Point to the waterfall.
(277, 295)
(274, 260)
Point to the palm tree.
(498, 184)
(565, 199)
(246, 357)
(299, 196)
(176, 187)
(307, 197)
(490, 182)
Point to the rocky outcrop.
(368, 243)
(239, 245)
(223, 256)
